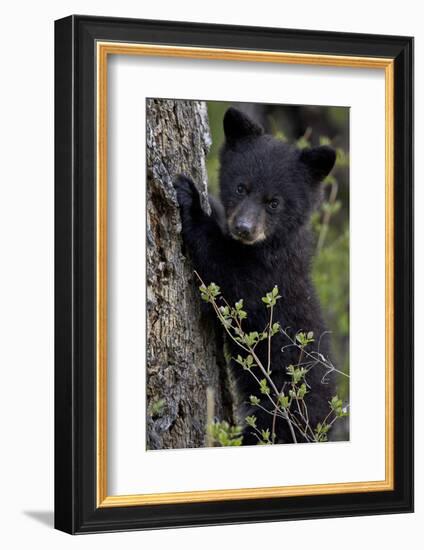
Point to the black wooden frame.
(75, 274)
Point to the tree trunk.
(183, 374)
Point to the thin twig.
(327, 217)
(269, 340)
(315, 357)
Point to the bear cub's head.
(267, 187)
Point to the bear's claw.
(187, 194)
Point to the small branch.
(242, 341)
(269, 340)
(327, 218)
(314, 356)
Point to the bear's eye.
(274, 203)
(241, 189)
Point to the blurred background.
(304, 126)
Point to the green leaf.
(321, 431)
(264, 387)
(324, 140)
(251, 421)
(265, 434)
(275, 328)
(214, 290)
(254, 400)
(330, 180)
(271, 297)
(305, 338)
(296, 373)
(302, 143)
(283, 401)
(252, 338)
(158, 407)
(225, 311)
(302, 391)
(249, 360)
(224, 435)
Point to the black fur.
(268, 191)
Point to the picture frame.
(83, 45)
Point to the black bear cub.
(259, 237)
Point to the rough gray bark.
(182, 356)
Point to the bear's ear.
(319, 160)
(237, 125)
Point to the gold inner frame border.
(103, 50)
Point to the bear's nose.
(243, 229)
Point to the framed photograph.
(234, 274)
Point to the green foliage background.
(310, 126)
